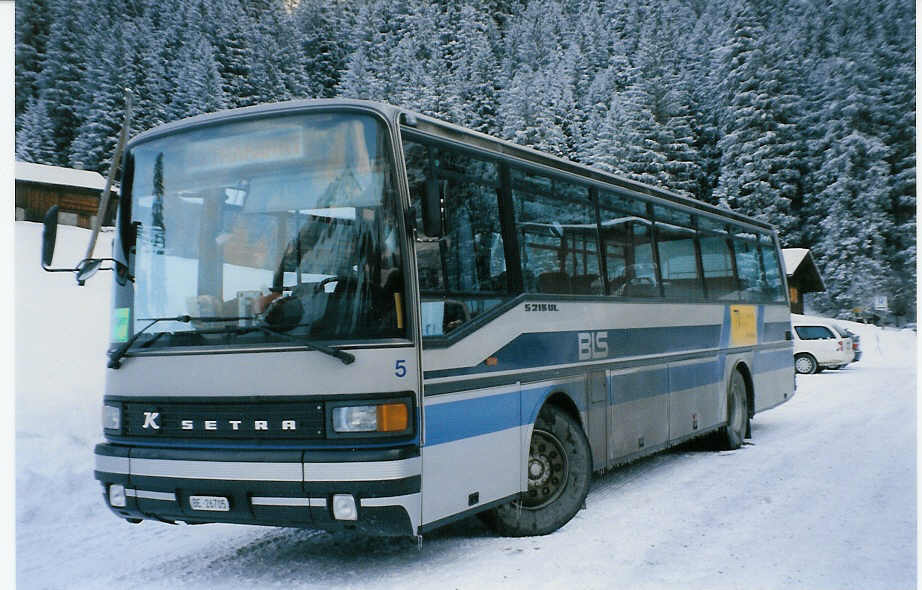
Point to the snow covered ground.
(824, 497)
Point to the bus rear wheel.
(559, 470)
(737, 412)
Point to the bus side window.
(428, 260)
(627, 243)
(678, 259)
(463, 274)
(718, 268)
(774, 287)
(748, 269)
(557, 233)
(641, 275)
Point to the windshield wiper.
(115, 356)
(346, 357)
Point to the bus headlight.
(111, 417)
(391, 417)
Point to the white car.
(819, 344)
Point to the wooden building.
(803, 276)
(75, 192)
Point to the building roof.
(799, 262)
(793, 257)
(40, 173)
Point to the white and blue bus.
(340, 314)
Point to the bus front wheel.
(559, 471)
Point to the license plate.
(211, 503)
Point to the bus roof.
(449, 131)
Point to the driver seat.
(344, 306)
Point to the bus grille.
(223, 421)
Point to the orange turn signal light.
(392, 417)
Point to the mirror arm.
(51, 269)
(86, 260)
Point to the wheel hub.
(547, 470)
(539, 470)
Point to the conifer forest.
(800, 113)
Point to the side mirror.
(432, 209)
(49, 236)
(86, 268)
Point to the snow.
(793, 257)
(823, 497)
(28, 172)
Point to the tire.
(559, 471)
(805, 364)
(737, 412)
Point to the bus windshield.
(286, 222)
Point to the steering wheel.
(284, 313)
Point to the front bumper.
(275, 488)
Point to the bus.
(339, 314)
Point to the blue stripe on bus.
(487, 414)
(760, 320)
(773, 360)
(637, 385)
(696, 375)
(472, 417)
(540, 349)
(476, 416)
(776, 330)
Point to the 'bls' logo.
(592, 345)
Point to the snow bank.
(54, 318)
(884, 346)
(60, 343)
